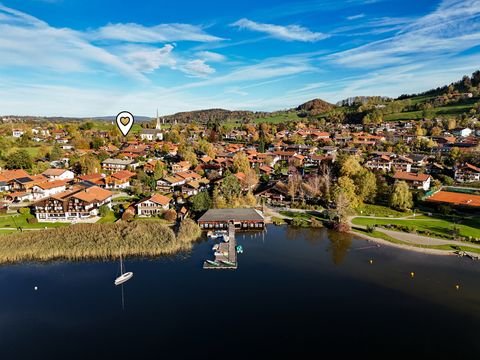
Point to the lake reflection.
(297, 292)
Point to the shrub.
(370, 228)
(32, 220)
(24, 211)
(103, 210)
(170, 215)
(315, 223)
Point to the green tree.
(366, 184)
(201, 202)
(56, 153)
(20, 159)
(346, 187)
(103, 210)
(401, 197)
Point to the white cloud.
(197, 68)
(355, 17)
(154, 34)
(288, 33)
(211, 56)
(451, 29)
(147, 59)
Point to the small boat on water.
(239, 249)
(211, 262)
(215, 247)
(216, 234)
(218, 253)
(229, 263)
(226, 238)
(124, 276)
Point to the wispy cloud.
(153, 34)
(28, 41)
(451, 29)
(197, 68)
(288, 33)
(211, 56)
(355, 17)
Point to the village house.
(48, 188)
(115, 165)
(414, 180)
(467, 173)
(379, 163)
(17, 133)
(168, 183)
(195, 186)
(75, 204)
(180, 166)
(59, 174)
(154, 205)
(119, 180)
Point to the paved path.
(413, 238)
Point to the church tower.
(158, 127)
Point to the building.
(467, 173)
(74, 204)
(414, 180)
(181, 166)
(58, 174)
(152, 134)
(154, 205)
(16, 133)
(119, 179)
(48, 188)
(115, 165)
(246, 219)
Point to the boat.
(239, 249)
(211, 262)
(218, 253)
(229, 263)
(215, 247)
(215, 234)
(226, 238)
(124, 276)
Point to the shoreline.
(401, 246)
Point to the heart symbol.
(125, 120)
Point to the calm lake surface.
(297, 292)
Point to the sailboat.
(124, 276)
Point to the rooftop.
(232, 214)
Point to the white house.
(414, 180)
(154, 205)
(59, 174)
(16, 133)
(464, 132)
(48, 188)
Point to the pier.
(228, 251)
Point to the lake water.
(297, 292)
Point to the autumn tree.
(241, 162)
(401, 197)
(346, 187)
(19, 159)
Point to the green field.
(440, 226)
(14, 221)
(449, 110)
(380, 211)
(279, 118)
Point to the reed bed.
(95, 241)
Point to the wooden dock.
(228, 252)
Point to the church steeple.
(158, 122)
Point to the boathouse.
(245, 219)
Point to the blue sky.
(95, 58)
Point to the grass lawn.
(32, 150)
(279, 118)
(13, 221)
(381, 211)
(454, 109)
(109, 218)
(439, 226)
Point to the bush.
(32, 220)
(170, 215)
(24, 211)
(370, 228)
(103, 210)
(315, 223)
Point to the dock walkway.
(228, 252)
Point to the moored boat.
(229, 263)
(214, 263)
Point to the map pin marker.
(125, 122)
